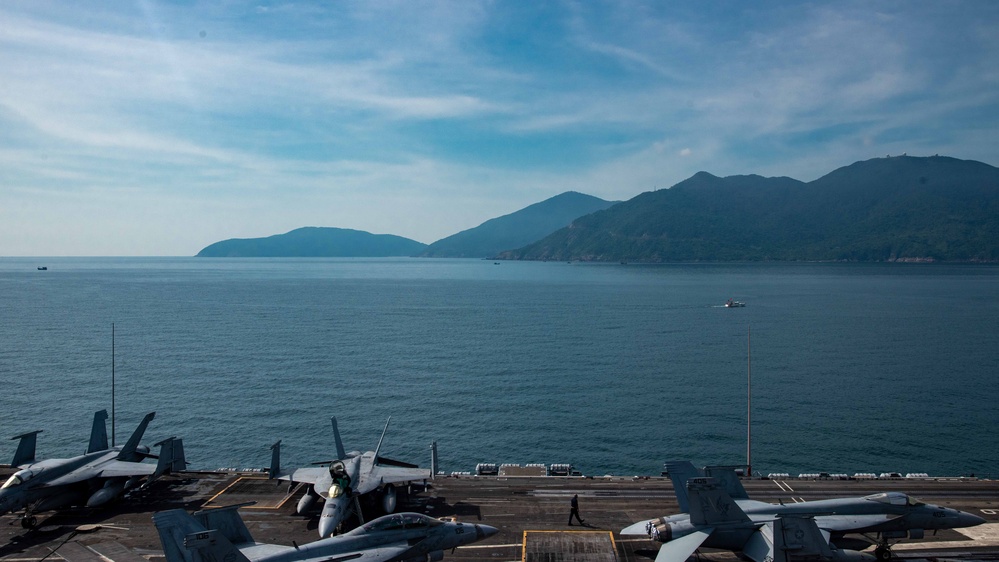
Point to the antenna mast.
(112, 385)
(749, 403)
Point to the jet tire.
(882, 553)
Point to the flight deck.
(530, 512)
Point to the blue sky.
(150, 128)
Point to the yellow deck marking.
(224, 490)
(241, 479)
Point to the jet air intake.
(902, 534)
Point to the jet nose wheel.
(29, 522)
(882, 553)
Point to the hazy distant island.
(316, 242)
(899, 208)
(484, 241)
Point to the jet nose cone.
(485, 531)
(965, 519)
(326, 526)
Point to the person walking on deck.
(574, 511)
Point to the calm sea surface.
(613, 368)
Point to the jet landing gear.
(29, 522)
(882, 543)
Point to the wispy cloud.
(429, 117)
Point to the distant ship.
(42, 268)
(734, 304)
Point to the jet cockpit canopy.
(895, 498)
(397, 522)
(18, 478)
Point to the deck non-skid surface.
(264, 493)
(569, 546)
(531, 514)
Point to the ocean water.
(613, 368)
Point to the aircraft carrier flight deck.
(531, 513)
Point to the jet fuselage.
(879, 513)
(36, 482)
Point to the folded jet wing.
(789, 538)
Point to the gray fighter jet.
(715, 519)
(342, 481)
(220, 534)
(95, 478)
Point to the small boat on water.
(43, 268)
(734, 304)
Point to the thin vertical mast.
(112, 385)
(749, 403)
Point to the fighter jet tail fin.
(25, 453)
(729, 480)
(340, 452)
(382, 438)
(679, 473)
(128, 451)
(227, 521)
(711, 505)
(99, 433)
(275, 468)
(171, 456)
(186, 539)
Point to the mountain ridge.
(518, 228)
(886, 209)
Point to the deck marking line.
(224, 490)
(287, 497)
(240, 479)
(281, 503)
